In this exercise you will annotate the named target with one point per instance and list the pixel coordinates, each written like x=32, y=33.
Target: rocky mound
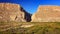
x=12, y=12
x=47, y=14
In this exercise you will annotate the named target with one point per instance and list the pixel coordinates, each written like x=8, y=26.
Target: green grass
x=38, y=28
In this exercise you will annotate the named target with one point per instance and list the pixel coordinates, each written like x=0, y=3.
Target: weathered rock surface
x=47, y=14
x=12, y=12
x=27, y=15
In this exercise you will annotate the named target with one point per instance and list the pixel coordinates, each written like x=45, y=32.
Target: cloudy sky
x=32, y=5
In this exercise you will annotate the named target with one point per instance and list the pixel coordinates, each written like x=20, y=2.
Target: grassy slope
x=38, y=28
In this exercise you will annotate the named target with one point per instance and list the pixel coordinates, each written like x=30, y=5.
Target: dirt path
x=27, y=25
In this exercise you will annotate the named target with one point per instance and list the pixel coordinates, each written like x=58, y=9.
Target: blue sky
x=31, y=6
